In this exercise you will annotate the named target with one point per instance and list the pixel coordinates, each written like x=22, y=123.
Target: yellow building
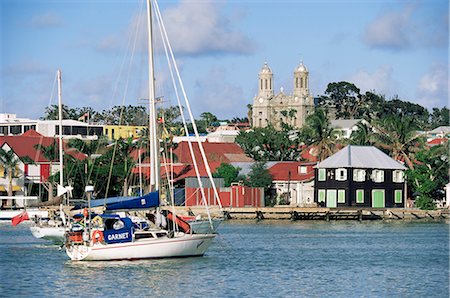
x=115, y=132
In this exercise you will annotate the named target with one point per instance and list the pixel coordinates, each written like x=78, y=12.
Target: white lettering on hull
x=118, y=236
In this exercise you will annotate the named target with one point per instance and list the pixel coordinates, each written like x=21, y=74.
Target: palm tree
x=319, y=133
x=363, y=136
x=399, y=136
x=9, y=162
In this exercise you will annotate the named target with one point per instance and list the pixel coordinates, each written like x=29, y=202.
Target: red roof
x=215, y=152
x=437, y=141
x=280, y=171
x=24, y=145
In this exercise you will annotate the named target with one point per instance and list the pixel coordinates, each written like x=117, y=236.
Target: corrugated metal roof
x=363, y=157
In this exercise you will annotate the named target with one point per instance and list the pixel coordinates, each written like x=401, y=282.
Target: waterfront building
x=360, y=176
x=10, y=125
x=293, y=182
x=274, y=109
x=33, y=169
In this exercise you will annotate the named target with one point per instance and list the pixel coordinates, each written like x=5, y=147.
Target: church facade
x=274, y=109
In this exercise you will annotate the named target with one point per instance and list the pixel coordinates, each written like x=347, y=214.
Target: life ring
x=85, y=212
x=97, y=236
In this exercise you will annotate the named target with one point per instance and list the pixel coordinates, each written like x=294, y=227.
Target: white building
x=346, y=126
x=294, y=183
x=11, y=125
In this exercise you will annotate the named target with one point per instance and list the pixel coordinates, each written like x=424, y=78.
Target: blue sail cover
x=120, y=203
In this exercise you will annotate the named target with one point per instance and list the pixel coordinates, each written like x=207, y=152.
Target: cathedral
x=274, y=109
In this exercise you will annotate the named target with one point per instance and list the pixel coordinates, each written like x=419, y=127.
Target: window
x=341, y=196
x=398, y=176
x=360, y=196
x=322, y=175
x=321, y=197
x=378, y=176
x=398, y=196
x=341, y=174
x=359, y=175
x=4, y=130
x=15, y=129
x=302, y=169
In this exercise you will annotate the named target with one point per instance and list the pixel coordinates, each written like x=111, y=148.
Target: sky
x=391, y=47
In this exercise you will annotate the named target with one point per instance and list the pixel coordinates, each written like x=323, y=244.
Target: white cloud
x=47, y=20
x=201, y=28
x=432, y=90
x=216, y=95
x=381, y=81
x=416, y=25
x=392, y=30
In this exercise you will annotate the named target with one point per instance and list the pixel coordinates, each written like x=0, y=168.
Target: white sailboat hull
x=185, y=245
x=204, y=227
x=55, y=234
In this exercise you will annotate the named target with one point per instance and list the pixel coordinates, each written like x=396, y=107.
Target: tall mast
x=61, y=176
x=154, y=143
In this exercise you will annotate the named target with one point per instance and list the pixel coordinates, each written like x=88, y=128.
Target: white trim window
x=359, y=175
x=398, y=176
x=322, y=175
x=341, y=174
x=302, y=169
x=378, y=176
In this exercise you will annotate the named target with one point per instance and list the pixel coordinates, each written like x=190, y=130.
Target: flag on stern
x=19, y=218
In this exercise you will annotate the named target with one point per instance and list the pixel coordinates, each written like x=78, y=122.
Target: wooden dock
x=327, y=214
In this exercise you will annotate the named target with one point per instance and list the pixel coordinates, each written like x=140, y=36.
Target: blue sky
x=393, y=47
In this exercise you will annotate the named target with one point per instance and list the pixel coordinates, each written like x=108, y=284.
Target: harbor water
x=248, y=259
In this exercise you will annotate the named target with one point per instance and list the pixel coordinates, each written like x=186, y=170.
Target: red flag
x=19, y=218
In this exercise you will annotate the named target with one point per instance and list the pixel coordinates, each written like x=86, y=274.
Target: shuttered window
x=322, y=175
x=360, y=196
x=398, y=196
x=341, y=196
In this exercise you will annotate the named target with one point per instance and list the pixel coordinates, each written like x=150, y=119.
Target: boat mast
x=61, y=176
x=154, y=143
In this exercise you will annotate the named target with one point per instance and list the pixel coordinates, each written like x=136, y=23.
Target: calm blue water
x=265, y=259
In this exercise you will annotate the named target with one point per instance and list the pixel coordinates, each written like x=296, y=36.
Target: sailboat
x=54, y=229
x=115, y=237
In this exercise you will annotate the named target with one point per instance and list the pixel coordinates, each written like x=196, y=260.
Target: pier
x=326, y=214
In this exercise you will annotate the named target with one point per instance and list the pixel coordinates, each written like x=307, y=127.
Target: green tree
x=363, y=135
x=229, y=173
x=208, y=118
x=318, y=133
x=399, y=137
x=429, y=176
x=52, y=113
x=401, y=109
x=267, y=143
x=439, y=117
x=260, y=176
x=123, y=115
x=345, y=99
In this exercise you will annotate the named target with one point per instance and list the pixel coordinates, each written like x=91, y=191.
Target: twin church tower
x=275, y=109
